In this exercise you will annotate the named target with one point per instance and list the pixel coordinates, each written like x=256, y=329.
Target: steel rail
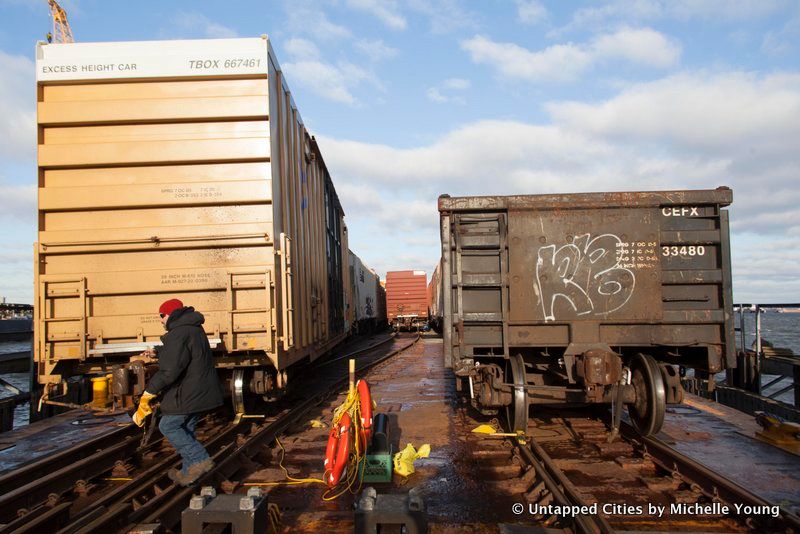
x=166, y=505
x=34, y=493
x=11, y=480
x=563, y=491
x=709, y=482
x=36, y=489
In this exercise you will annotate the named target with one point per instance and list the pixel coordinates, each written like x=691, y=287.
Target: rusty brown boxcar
x=181, y=169
x=586, y=298
x=406, y=299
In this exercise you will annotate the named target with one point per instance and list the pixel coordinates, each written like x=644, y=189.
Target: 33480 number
x=691, y=250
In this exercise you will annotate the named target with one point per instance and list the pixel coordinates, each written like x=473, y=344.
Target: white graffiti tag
x=586, y=274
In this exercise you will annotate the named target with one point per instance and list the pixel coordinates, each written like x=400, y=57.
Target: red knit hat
x=170, y=306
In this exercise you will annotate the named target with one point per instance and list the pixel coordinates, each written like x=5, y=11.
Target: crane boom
x=62, y=33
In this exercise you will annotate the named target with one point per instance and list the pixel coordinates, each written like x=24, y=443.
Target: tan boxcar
x=180, y=169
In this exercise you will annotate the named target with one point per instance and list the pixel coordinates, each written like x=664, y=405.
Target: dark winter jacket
x=186, y=377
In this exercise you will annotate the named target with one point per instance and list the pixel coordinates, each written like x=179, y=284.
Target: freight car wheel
x=517, y=411
x=647, y=412
x=237, y=391
x=243, y=400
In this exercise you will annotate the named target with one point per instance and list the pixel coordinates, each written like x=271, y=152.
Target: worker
x=188, y=385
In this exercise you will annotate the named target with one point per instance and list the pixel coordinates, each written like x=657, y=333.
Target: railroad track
x=117, y=484
x=643, y=483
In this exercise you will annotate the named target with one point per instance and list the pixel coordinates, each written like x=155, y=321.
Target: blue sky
x=411, y=99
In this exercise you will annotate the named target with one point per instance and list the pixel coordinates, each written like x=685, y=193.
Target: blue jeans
x=179, y=431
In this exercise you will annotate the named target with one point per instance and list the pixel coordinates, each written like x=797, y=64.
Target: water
x=7, y=347
x=18, y=380
x=781, y=330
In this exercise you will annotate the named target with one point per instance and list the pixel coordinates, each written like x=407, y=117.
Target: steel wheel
x=238, y=391
x=647, y=412
x=517, y=411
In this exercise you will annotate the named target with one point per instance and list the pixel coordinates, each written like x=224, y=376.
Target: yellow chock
x=489, y=430
x=404, y=460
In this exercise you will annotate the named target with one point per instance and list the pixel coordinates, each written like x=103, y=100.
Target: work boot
x=193, y=472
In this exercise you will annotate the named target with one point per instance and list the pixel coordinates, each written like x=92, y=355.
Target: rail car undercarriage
x=596, y=376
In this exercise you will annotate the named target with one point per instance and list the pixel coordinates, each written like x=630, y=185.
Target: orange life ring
x=365, y=398
x=338, y=450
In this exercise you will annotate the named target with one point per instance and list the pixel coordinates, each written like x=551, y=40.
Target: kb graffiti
x=586, y=274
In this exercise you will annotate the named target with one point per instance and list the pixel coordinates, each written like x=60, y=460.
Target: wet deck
x=54, y=434
x=724, y=440
x=418, y=394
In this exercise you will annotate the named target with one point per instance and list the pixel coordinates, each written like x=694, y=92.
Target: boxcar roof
x=722, y=196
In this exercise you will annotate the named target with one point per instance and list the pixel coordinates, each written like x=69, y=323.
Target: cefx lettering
x=691, y=211
x=204, y=64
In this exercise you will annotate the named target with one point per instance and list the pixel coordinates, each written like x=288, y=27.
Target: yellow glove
x=144, y=409
x=404, y=460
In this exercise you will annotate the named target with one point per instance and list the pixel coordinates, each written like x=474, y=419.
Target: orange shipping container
x=180, y=169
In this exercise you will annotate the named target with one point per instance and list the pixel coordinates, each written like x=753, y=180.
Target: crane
x=61, y=33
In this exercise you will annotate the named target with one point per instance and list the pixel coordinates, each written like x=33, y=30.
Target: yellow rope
x=355, y=463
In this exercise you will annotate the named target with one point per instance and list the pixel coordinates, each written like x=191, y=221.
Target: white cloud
x=697, y=110
x=444, y=16
x=555, y=63
x=18, y=203
x=332, y=81
x=783, y=41
x=447, y=91
x=531, y=11
x=301, y=49
x=192, y=24
x=640, y=46
x=18, y=216
x=434, y=95
x=323, y=79
x=456, y=84
x=689, y=131
x=384, y=10
x=633, y=11
x=375, y=49
x=17, y=108
x=563, y=62
x=307, y=18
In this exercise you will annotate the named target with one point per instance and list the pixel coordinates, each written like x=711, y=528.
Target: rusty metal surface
x=722, y=196
x=725, y=440
x=627, y=488
x=549, y=275
x=568, y=265
x=406, y=294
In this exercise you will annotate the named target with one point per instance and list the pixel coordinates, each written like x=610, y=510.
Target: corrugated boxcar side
x=406, y=294
x=380, y=299
x=206, y=189
x=435, y=293
x=649, y=270
x=364, y=282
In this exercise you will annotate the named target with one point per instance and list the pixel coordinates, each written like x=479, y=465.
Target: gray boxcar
x=586, y=298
